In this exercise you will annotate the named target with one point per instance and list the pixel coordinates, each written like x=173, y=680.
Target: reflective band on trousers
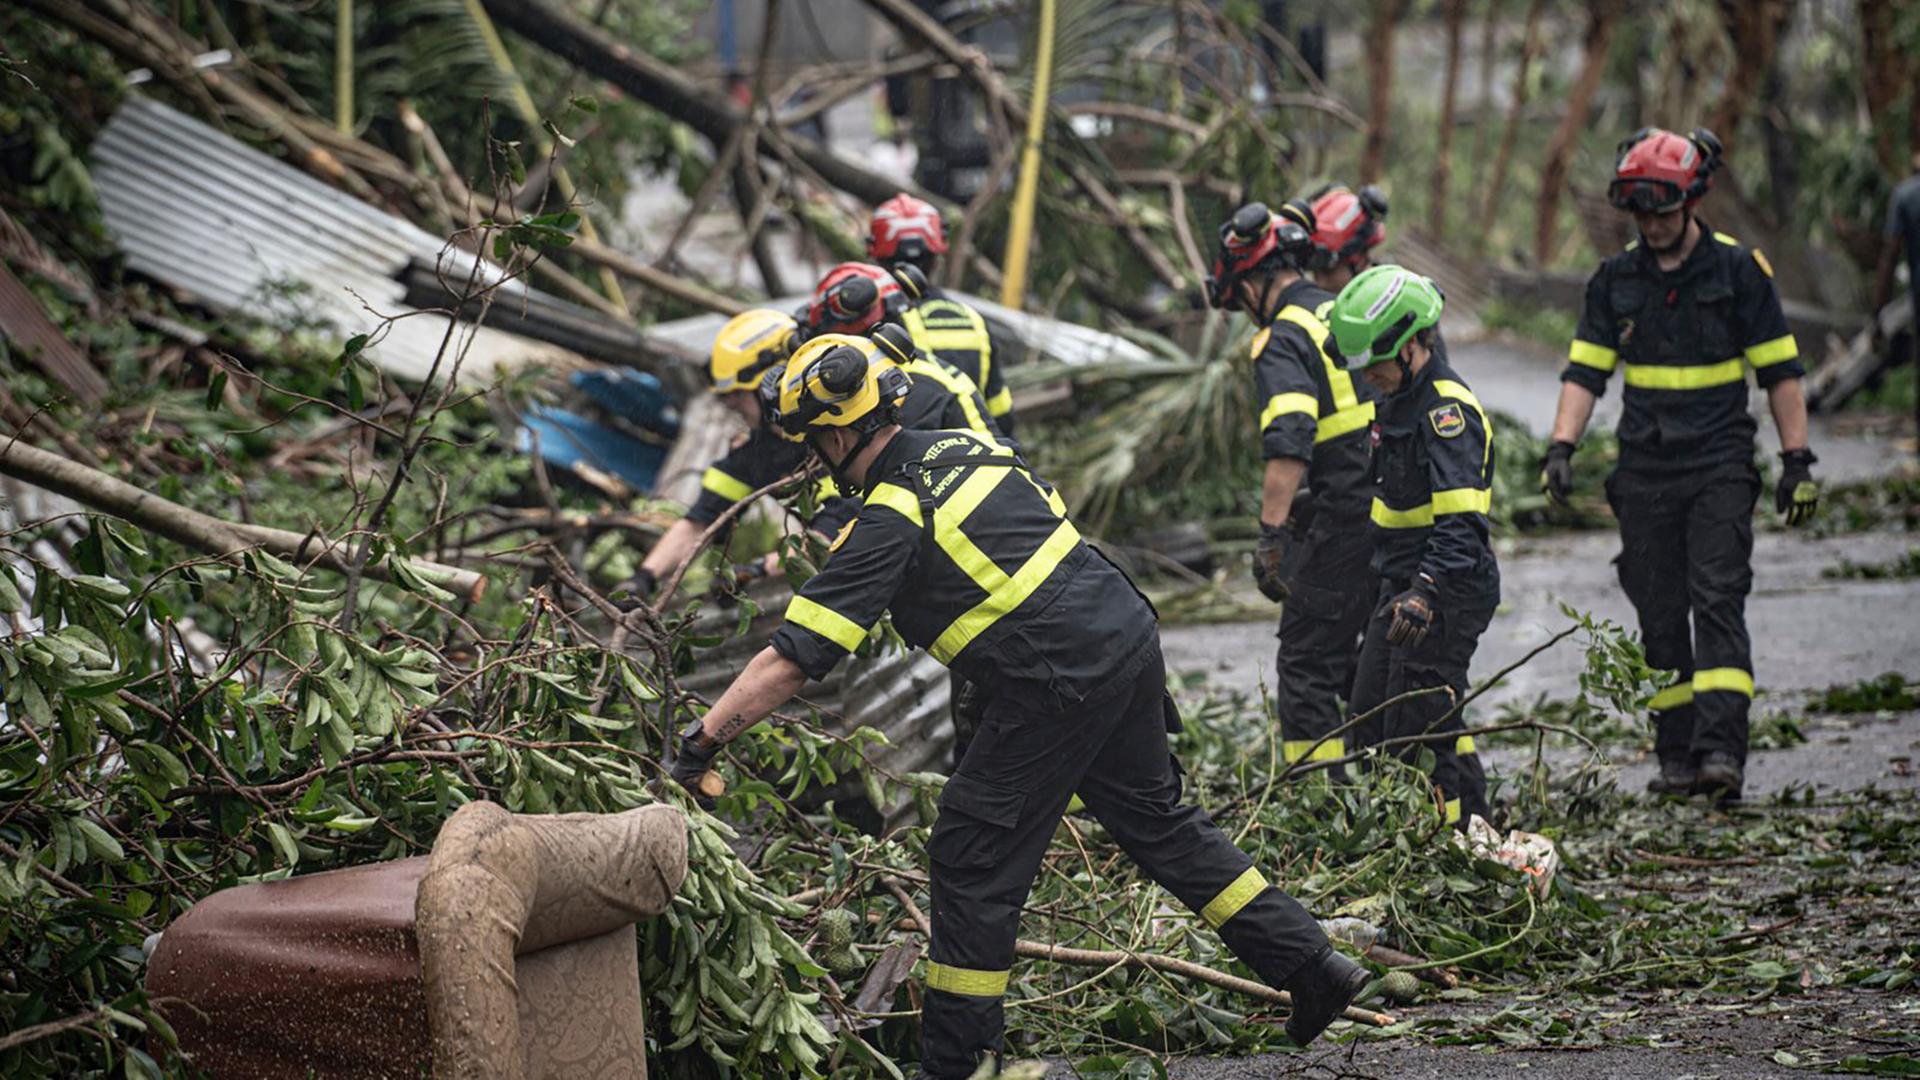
x=1730, y=679
x=966, y=981
x=1305, y=750
x=1672, y=697
x=1464, y=745
x=1234, y=897
x=1700, y=377
x=724, y=485
x=1453, y=811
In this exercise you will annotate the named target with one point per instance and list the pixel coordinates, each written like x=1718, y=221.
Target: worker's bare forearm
x=673, y=547
x=769, y=682
x=1277, y=490
x=1570, y=417
x=1788, y=400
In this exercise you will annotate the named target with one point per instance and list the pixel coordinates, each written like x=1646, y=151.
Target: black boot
x=1677, y=778
x=1321, y=989
x=1721, y=777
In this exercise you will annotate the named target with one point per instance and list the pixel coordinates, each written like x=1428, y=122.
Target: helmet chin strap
x=838, y=469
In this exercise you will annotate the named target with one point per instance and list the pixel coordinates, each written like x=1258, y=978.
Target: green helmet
x=1378, y=311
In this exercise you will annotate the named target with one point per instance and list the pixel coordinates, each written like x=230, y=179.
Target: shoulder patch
x=1447, y=420
x=841, y=538
x=1260, y=342
x=1765, y=266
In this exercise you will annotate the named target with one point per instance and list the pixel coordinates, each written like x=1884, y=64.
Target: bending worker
x=906, y=231
x=1433, y=489
x=1684, y=311
x=979, y=565
x=1314, y=554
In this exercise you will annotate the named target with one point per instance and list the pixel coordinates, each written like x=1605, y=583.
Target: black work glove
x=1556, y=473
x=1270, y=562
x=639, y=589
x=1413, y=613
x=1797, y=495
x=692, y=762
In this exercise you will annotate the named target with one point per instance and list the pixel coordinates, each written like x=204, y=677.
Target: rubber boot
x=1721, y=777
x=1322, y=989
x=1676, y=780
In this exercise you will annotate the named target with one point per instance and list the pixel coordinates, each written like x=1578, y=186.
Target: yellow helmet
x=838, y=380
x=751, y=344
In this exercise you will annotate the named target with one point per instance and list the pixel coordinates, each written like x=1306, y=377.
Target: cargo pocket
x=976, y=820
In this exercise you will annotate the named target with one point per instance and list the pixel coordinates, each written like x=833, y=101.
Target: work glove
x=639, y=589
x=1556, y=473
x=693, y=761
x=1270, y=562
x=1797, y=495
x=1413, y=613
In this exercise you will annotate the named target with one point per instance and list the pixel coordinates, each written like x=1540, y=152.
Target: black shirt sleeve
x=1595, y=349
x=834, y=611
x=1289, y=401
x=1765, y=339
x=1460, y=469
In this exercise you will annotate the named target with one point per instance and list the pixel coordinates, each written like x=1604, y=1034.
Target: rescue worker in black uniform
x=974, y=557
x=1314, y=550
x=1432, y=492
x=906, y=231
x=1684, y=312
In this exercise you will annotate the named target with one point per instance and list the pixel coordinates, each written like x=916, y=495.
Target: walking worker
x=1432, y=492
x=1684, y=312
x=974, y=557
x=1348, y=225
x=906, y=231
x=1314, y=420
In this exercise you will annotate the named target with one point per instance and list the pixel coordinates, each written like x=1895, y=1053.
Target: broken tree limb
x=202, y=532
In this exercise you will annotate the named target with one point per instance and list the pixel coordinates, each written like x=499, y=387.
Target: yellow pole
x=530, y=114
x=343, y=67
x=1013, y=290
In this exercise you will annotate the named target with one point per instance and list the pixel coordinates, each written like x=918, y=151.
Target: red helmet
x=854, y=298
x=1258, y=241
x=1347, y=225
x=1659, y=171
x=905, y=228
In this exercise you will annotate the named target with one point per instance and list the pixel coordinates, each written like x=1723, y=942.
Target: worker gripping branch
x=906, y=231
x=1347, y=226
x=1684, y=312
x=1314, y=422
x=975, y=558
x=1433, y=489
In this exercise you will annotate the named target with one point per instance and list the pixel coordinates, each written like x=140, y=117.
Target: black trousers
x=1332, y=594
x=1686, y=563
x=1000, y=810
x=1439, y=663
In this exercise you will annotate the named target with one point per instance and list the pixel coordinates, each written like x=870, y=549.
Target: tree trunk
x=1483, y=117
x=1443, y=160
x=1373, y=156
x=1886, y=72
x=1755, y=27
x=1601, y=17
x=1496, y=187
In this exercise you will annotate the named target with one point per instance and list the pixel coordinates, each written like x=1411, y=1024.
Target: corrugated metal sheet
x=237, y=230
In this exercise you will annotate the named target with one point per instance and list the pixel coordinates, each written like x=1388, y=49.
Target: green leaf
x=99, y=841
x=216, y=388
x=283, y=843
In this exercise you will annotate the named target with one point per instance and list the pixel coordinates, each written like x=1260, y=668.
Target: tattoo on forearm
x=734, y=725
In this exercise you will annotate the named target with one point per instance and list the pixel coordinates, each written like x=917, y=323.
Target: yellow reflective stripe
x=1260, y=341
x=1234, y=897
x=1414, y=517
x=1339, y=379
x=1777, y=351
x=1463, y=501
x=897, y=499
x=1699, y=377
x=724, y=485
x=1453, y=811
x=825, y=488
x=1459, y=392
x=1464, y=745
x=826, y=622
x=1007, y=595
x=1345, y=421
x=1731, y=679
x=966, y=982
x=1304, y=750
x=1001, y=403
x=1587, y=354
x=950, y=339
x=960, y=387
x=1725, y=239
x=1285, y=404
x=1672, y=698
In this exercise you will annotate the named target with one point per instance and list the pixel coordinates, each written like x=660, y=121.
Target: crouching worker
x=978, y=564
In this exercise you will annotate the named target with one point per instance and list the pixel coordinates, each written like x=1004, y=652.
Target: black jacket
x=1311, y=409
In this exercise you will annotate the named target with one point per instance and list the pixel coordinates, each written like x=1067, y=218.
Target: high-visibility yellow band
x=1597, y=357
x=1007, y=595
x=1699, y=377
x=1414, y=517
x=937, y=340
x=1234, y=897
x=1285, y=404
x=1672, y=697
x=1464, y=745
x=1453, y=811
x=1777, y=351
x=897, y=499
x=957, y=384
x=1304, y=750
x=1351, y=418
x=1260, y=341
x=1001, y=403
x=727, y=486
x=1731, y=679
x=1726, y=239
x=1459, y=392
x=1463, y=501
x=966, y=982
x=1339, y=379
x=826, y=622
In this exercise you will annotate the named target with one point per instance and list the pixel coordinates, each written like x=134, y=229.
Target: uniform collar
x=1702, y=253
x=890, y=460
x=1294, y=295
